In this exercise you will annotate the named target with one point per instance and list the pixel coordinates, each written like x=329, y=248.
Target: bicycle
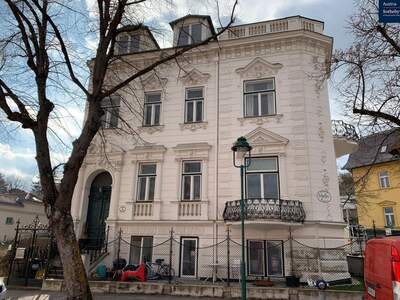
x=159, y=270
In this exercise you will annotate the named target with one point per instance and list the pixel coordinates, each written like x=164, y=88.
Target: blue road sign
x=389, y=11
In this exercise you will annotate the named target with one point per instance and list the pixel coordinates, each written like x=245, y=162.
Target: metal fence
x=337, y=262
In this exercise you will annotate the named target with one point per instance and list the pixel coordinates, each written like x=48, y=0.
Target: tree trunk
x=76, y=283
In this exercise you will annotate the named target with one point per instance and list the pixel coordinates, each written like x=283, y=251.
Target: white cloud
x=16, y=173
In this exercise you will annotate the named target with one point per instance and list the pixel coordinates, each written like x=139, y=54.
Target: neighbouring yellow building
x=376, y=172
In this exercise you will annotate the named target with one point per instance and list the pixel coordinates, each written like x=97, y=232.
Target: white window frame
x=129, y=43
x=259, y=93
x=194, y=101
x=141, y=247
x=192, y=175
x=264, y=263
x=261, y=173
x=106, y=124
x=189, y=34
x=389, y=215
x=384, y=181
x=152, y=105
x=147, y=176
x=196, y=256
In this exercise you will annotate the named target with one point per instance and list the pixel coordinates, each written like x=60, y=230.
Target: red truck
x=382, y=269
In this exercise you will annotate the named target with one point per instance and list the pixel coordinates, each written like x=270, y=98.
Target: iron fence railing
x=341, y=129
x=264, y=209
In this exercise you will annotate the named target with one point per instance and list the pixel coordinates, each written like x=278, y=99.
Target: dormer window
x=192, y=29
x=128, y=43
x=190, y=34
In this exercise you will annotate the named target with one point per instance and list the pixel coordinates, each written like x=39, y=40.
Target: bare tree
x=38, y=51
x=368, y=72
x=3, y=184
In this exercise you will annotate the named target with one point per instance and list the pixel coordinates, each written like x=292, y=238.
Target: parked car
x=382, y=269
x=3, y=290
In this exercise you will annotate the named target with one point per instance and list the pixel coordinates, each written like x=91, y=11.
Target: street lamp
x=240, y=148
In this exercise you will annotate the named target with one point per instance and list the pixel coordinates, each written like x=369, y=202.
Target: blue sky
x=17, y=151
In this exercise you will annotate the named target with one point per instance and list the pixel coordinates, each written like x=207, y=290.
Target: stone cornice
x=194, y=77
x=249, y=46
x=147, y=152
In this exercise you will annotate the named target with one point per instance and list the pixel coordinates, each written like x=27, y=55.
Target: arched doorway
x=98, y=209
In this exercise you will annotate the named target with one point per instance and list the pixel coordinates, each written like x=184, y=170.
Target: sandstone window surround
x=152, y=108
x=198, y=152
x=258, y=87
x=146, y=155
x=110, y=106
x=154, y=95
x=195, y=100
x=266, y=143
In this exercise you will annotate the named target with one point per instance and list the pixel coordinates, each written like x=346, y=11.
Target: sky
x=17, y=149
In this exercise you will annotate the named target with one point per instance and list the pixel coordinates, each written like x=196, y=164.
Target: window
x=110, y=106
x=194, y=105
x=259, y=98
x=265, y=258
x=389, y=216
x=384, y=179
x=189, y=34
x=152, y=109
x=262, y=178
x=191, y=181
x=146, y=182
x=141, y=249
x=128, y=43
x=9, y=221
x=188, y=265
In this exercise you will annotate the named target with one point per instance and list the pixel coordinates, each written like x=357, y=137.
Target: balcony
x=345, y=138
x=288, y=211
x=273, y=26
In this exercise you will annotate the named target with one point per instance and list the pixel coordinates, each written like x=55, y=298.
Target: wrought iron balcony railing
x=266, y=209
x=341, y=129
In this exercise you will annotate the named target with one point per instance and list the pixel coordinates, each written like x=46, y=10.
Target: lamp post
x=240, y=148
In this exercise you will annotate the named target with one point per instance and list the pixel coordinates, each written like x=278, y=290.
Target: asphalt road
x=39, y=295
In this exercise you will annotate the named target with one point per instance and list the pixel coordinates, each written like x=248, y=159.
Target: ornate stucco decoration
x=192, y=151
x=264, y=141
x=194, y=77
x=105, y=155
x=261, y=120
x=154, y=82
x=386, y=203
x=150, y=129
x=259, y=68
x=193, y=126
x=147, y=152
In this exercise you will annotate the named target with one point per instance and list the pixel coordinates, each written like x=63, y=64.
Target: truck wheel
x=321, y=284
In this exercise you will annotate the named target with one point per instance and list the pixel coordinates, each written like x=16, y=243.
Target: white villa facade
x=261, y=81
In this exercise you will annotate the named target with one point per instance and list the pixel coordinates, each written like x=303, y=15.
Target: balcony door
x=262, y=178
x=188, y=263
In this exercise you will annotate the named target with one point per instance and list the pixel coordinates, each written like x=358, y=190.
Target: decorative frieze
x=193, y=126
x=194, y=77
x=150, y=129
x=147, y=152
x=192, y=151
x=260, y=120
x=259, y=68
x=153, y=82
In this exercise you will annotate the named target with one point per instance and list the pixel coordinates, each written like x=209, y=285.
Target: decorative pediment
x=148, y=152
x=153, y=82
x=386, y=203
x=259, y=68
x=264, y=141
x=194, y=77
x=192, y=151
